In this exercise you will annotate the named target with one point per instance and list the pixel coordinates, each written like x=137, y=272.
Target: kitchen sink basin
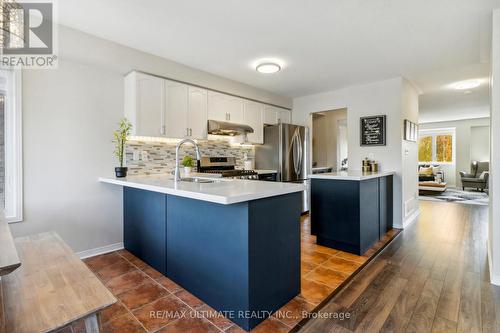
x=199, y=180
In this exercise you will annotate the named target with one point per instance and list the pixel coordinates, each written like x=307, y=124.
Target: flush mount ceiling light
x=268, y=68
x=466, y=85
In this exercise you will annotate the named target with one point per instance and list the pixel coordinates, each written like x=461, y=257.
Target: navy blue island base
x=242, y=259
x=351, y=215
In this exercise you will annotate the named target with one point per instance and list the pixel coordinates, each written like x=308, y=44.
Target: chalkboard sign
x=373, y=131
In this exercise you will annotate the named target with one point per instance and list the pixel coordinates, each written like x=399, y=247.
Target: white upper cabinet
x=284, y=116
x=216, y=107
x=235, y=109
x=225, y=107
x=176, y=110
x=144, y=104
x=158, y=107
x=270, y=115
x=197, y=113
x=253, y=117
x=274, y=115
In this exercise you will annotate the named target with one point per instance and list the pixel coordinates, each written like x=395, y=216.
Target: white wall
x=494, y=226
x=480, y=143
x=69, y=115
x=390, y=97
x=409, y=153
x=463, y=145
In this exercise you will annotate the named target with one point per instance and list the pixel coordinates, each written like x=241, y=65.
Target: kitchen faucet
x=198, y=157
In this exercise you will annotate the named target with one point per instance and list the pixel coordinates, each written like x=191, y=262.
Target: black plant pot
x=121, y=172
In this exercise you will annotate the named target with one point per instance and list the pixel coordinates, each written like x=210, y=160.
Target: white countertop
x=351, y=175
x=321, y=168
x=224, y=191
x=265, y=172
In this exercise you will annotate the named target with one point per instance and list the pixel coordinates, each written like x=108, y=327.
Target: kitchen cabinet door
x=225, y=107
x=217, y=109
x=144, y=104
x=197, y=113
x=284, y=116
x=235, y=109
x=270, y=115
x=253, y=117
x=176, y=109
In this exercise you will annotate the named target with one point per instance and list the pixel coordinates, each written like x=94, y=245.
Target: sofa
x=478, y=176
x=429, y=177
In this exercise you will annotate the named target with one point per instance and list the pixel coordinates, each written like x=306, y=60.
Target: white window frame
x=11, y=87
x=434, y=133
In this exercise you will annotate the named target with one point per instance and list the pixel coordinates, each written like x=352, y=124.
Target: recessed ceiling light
x=268, y=68
x=466, y=85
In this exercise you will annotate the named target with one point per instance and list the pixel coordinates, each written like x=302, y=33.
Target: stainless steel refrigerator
x=285, y=149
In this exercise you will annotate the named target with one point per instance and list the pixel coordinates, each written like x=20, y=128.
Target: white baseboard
x=411, y=218
x=100, y=250
x=494, y=279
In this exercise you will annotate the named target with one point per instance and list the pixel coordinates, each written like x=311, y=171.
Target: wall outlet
x=144, y=155
x=136, y=155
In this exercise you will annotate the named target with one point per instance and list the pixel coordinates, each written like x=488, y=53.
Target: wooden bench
x=51, y=289
x=9, y=261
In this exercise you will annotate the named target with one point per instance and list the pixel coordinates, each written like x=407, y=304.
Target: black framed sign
x=373, y=131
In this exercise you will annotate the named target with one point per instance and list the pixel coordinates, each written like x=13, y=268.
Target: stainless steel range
x=225, y=167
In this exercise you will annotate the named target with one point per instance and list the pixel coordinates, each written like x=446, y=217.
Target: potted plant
x=120, y=139
x=188, y=164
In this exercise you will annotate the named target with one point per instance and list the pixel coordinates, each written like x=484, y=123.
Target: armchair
x=478, y=176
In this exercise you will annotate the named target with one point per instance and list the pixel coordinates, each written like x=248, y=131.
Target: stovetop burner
x=226, y=167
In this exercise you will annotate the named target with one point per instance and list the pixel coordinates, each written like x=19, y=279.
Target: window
x=436, y=146
x=10, y=90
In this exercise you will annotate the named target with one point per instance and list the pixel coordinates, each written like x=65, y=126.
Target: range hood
x=216, y=127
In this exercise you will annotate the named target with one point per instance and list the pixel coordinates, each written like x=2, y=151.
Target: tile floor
x=141, y=290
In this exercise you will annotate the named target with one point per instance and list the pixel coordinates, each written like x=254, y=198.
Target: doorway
x=329, y=141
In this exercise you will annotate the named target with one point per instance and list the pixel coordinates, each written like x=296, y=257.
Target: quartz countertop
x=351, y=175
x=321, y=168
x=265, y=172
x=222, y=191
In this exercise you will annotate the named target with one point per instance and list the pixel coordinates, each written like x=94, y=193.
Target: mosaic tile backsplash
x=160, y=156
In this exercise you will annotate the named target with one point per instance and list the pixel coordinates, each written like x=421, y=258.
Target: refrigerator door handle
x=296, y=152
x=299, y=141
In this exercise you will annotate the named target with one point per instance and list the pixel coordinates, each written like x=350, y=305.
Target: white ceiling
x=324, y=44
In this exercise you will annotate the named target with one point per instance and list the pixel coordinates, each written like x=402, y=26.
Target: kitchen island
x=351, y=210
x=235, y=244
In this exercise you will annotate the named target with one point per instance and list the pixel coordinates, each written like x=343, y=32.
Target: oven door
x=269, y=177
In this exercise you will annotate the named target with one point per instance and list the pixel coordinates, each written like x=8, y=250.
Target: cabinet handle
x=162, y=130
x=187, y=131
x=229, y=116
x=190, y=132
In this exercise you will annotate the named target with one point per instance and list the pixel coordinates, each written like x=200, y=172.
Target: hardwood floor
x=432, y=278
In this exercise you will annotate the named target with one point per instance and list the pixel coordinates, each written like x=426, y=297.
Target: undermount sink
x=199, y=180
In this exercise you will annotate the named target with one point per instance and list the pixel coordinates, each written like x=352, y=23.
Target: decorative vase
x=121, y=172
x=187, y=170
